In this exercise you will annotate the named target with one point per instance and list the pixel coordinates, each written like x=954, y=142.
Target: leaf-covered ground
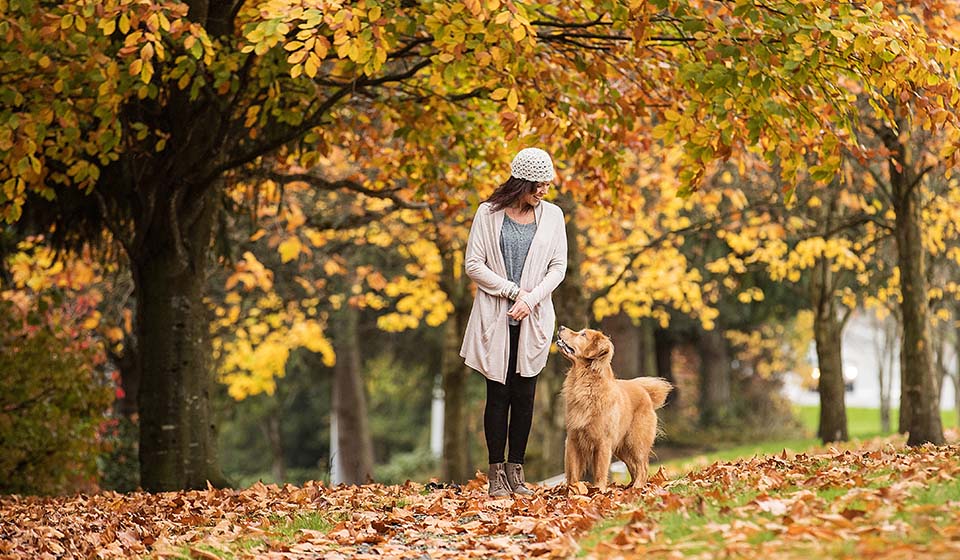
x=371, y=521
x=881, y=502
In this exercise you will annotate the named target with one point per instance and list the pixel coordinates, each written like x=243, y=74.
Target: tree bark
x=956, y=373
x=626, y=340
x=272, y=430
x=648, y=353
x=828, y=333
x=455, y=464
x=715, y=396
x=354, y=442
x=178, y=444
x=663, y=346
x=885, y=361
x=919, y=411
x=455, y=461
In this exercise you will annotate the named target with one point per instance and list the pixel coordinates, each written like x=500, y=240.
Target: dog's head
x=586, y=346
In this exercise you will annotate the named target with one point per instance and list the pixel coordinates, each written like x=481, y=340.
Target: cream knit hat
x=532, y=164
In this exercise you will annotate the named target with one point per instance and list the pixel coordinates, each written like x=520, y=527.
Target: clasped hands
x=520, y=310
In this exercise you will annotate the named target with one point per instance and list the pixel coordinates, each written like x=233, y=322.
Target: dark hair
x=510, y=192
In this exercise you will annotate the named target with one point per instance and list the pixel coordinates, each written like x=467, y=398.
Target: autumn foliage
x=56, y=393
x=787, y=506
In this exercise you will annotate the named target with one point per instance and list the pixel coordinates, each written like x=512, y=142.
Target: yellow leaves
x=251, y=273
x=774, y=348
x=499, y=93
x=254, y=336
x=741, y=243
x=418, y=299
x=311, y=66
x=512, y=99
x=849, y=298
x=333, y=268
x=752, y=294
x=376, y=281
x=114, y=334
x=92, y=321
x=251, y=362
x=289, y=249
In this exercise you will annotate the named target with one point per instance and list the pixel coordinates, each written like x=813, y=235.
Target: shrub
x=53, y=402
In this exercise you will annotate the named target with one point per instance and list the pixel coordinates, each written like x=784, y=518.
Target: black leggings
x=513, y=400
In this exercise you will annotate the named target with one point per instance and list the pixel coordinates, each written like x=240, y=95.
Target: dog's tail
x=657, y=387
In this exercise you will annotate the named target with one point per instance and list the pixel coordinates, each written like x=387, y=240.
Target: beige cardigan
x=486, y=342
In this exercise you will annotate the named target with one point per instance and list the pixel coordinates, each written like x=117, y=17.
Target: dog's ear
x=599, y=347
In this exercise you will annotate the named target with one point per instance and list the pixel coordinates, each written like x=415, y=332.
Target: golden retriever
x=606, y=416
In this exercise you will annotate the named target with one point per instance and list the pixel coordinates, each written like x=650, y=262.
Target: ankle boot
x=515, y=479
x=498, y=481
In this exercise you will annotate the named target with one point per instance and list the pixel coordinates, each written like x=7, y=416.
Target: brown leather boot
x=515, y=479
x=498, y=481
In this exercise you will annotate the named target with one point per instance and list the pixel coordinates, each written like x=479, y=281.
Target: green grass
x=863, y=423
x=283, y=530
x=288, y=528
x=684, y=528
x=598, y=533
x=939, y=494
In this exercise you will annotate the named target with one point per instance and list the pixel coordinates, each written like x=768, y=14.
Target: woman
x=517, y=256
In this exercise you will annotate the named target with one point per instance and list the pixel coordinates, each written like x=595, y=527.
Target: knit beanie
x=532, y=164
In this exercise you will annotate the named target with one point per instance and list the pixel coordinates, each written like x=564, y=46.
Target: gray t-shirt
x=515, y=241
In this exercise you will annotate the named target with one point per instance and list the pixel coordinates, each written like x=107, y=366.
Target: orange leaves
x=388, y=521
x=774, y=507
x=860, y=501
x=251, y=273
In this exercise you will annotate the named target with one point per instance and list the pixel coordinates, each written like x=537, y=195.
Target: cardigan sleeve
x=475, y=260
x=556, y=270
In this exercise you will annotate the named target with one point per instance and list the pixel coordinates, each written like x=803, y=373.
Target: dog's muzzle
x=564, y=347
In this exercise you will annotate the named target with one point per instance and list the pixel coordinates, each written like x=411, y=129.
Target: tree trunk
x=271, y=429
x=648, y=353
x=663, y=346
x=178, y=444
x=828, y=333
x=455, y=461
x=956, y=373
x=919, y=407
x=455, y=464
x=885, y=362
x=903, y=419
x=626, y=340
x=715, y=396
x=354, y=442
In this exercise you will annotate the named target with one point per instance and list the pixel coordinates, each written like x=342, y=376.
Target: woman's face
x=534, y=198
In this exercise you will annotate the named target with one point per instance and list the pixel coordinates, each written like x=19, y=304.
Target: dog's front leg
x=601, y=465
x=571, y=461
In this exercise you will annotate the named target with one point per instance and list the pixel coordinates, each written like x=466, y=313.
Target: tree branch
x=343, y=184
